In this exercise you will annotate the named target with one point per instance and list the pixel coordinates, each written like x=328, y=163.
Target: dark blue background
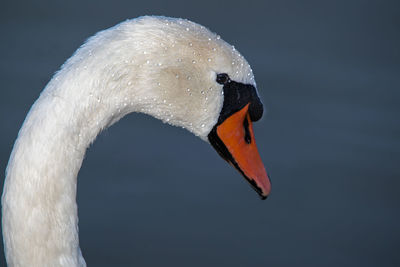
x=154, y=195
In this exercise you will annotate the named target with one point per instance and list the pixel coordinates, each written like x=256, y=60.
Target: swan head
x=184, y=74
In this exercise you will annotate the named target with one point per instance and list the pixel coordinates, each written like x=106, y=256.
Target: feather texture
x=160, y=66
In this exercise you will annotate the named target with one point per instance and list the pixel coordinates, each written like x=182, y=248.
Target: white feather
x=160, y=66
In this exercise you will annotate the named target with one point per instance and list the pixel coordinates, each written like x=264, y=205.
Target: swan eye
x=223, y=78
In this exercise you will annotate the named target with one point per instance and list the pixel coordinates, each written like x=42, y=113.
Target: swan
x=172, y=69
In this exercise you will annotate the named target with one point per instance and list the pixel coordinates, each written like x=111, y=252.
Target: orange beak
x=238, y=146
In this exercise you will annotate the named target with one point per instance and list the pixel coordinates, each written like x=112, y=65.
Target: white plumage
x=160, y=66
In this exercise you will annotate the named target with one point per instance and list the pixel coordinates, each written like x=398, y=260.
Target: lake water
x=154, y=195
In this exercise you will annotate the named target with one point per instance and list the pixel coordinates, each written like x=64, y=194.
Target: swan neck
x=40, y=216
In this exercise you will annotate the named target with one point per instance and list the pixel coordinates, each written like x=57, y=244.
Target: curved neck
x=40, y=218
x=39, y=201
x=162, y=67
x=39, y=210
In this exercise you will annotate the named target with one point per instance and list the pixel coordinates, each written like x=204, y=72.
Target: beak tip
x=265, y=194
x=265, y=187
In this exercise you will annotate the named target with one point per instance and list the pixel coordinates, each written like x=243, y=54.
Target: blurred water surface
x=155, y=195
